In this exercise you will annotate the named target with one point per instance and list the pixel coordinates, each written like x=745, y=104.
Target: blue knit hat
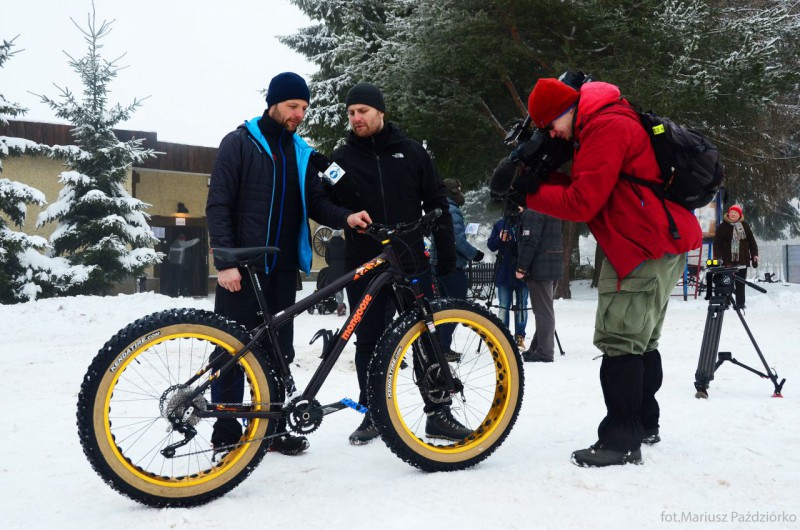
x=287, y=85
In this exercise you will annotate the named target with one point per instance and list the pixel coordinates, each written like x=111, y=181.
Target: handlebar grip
x=430, y=216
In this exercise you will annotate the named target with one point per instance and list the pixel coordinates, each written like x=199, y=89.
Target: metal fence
x=480, y=277
x=777, y=263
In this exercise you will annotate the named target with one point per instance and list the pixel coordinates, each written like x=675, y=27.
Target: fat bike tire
x=489, y=367
x=136, y=376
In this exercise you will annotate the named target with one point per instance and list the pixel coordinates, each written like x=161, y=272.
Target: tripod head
x=720, y=280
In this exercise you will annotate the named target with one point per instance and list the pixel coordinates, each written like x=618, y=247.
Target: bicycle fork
x=434, y=344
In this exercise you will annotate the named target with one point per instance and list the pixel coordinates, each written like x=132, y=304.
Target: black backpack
x=690, y=168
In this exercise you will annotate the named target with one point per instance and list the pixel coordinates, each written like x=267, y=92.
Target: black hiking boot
x=598, y=455
x=650, y=436
x=442, y=425
x=365, y=433
x=226, y=433
x=535, y=357
x=452, y=356
x=289, y=445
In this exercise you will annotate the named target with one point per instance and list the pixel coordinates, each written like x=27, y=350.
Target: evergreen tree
x=457, y=73
x=99, y=224
x=25, y=273
x=345, y=45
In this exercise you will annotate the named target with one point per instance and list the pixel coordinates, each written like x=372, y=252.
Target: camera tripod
x=720, y=283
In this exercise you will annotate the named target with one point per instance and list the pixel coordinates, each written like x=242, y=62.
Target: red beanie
x=736, y=208
x=549, y=99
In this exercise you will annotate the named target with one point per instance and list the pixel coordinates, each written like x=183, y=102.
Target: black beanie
x=287, y=85
x=365, y=94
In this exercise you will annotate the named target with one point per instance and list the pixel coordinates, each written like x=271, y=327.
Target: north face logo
x=398, y=155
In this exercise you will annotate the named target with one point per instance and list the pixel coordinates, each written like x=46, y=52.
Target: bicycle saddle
x=243, y=256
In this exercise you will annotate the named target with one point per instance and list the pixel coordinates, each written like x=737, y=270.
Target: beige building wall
x=41, y=173
x=163, y=190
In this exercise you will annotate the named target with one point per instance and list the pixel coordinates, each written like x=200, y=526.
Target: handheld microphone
x=331, y=172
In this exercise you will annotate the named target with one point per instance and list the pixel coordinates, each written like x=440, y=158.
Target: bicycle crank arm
x=343, y=404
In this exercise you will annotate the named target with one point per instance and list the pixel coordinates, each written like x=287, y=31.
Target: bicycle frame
x=386, y=270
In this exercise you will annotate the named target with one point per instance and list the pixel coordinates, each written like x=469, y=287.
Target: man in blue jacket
x=264, y=187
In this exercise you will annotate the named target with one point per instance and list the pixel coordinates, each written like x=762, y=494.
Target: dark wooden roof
x=175, y=157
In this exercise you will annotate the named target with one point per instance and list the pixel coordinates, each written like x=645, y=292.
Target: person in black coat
x=735, y=244
x=393, y=178
x=263, y=188
x=540, y=262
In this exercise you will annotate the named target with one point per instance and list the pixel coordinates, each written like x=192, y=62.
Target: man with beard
x=263, y=188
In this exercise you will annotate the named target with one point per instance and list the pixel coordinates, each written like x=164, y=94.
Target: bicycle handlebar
x=380, y=231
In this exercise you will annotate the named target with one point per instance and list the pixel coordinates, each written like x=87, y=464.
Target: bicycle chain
x=231, y=446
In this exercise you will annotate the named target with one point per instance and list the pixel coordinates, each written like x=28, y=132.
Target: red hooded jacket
x=627, y=219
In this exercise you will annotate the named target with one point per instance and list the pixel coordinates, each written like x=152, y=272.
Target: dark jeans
x=242, y=306
x=453, y=285
x=374, y=322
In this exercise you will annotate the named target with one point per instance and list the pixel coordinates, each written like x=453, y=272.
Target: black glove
x=478, y=256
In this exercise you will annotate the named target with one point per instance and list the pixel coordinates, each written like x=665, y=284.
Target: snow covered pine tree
x=99, y=224
x=25, y=273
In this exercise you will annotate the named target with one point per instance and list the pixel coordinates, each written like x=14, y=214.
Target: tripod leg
x=558, y=341
x=706, y=364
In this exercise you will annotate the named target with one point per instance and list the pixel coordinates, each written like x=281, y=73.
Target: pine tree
x=344, y=44
x=25, y=273
x=458, y=72
x=99, y=224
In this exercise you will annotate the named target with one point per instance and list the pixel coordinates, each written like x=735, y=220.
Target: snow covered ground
x=722, y=461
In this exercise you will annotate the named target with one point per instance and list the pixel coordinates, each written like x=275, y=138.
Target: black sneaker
x=441, y=424
x=365, y=433
x=535, y=357
x=227, y=432
x=289, y=445
x=651, y=436
x=598, y=455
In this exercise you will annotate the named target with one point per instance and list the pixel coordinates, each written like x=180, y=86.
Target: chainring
x=304, y=415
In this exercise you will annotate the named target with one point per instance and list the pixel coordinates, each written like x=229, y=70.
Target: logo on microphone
x=333, y=174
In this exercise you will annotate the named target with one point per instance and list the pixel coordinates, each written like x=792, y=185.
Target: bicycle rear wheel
x=488, y=368
x=138, y=378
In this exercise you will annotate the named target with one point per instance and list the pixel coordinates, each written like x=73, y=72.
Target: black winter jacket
x=243, y=206
x=392, y=177
x=539, y=246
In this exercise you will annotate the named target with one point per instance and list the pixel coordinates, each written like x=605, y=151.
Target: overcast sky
x=202, y=62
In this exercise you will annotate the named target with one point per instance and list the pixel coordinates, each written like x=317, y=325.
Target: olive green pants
x=629, y=320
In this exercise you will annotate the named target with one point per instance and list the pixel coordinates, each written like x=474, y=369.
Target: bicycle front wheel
x=484, y=360
x=139, y=377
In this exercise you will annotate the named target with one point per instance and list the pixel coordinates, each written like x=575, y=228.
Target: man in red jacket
x=643, y=259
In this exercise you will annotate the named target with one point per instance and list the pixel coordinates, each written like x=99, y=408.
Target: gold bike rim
x=506, y=386
x=227, y=462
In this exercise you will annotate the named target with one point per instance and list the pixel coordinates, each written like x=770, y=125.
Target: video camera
x=535, y=154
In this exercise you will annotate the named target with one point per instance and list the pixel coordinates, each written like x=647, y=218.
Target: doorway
x=184, y=269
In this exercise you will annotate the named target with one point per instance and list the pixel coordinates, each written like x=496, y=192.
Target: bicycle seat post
x=262, y=300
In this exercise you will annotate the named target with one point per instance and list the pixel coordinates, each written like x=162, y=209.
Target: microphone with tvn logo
x=331, y=172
